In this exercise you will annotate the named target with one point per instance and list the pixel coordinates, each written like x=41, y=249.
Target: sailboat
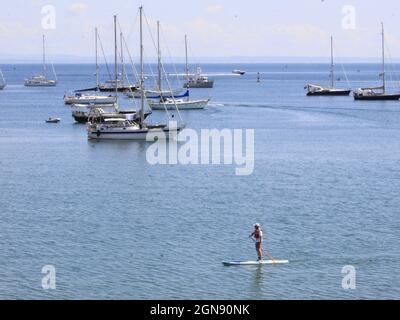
x=101, y=128
x=117, y=84
x=2, y=81
x=182, y=104
x=106, y=106
x=316, y=90
x=41, y=80
x=83, y=98
x=378, y=93
x=159, y=93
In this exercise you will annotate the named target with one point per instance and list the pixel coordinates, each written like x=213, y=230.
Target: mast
x=187, y=63
x=332, y=65
x=159, y=58
x=97, y=60
x=383, y=59
x=122, y=59
x=116, y=56
x=44, y=56
x=141, y=69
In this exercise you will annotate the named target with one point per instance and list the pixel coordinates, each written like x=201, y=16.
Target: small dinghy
x=53, y=120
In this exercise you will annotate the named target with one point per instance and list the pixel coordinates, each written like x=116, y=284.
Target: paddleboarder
x=258, y=237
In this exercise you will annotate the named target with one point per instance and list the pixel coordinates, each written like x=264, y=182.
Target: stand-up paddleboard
x=254, y=263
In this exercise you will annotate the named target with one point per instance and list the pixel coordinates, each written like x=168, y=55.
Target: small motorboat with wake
x=239, y=72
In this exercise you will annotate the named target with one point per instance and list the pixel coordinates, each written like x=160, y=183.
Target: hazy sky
x=216, y=28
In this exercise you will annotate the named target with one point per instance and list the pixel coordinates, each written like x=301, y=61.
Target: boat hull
x=53, y=121
x=381, y=97
x=40, y=85
x=107, y=100
x=191, y=105
x=83, y=117
x=200, y=85
x=156, y=95
x=329, y=93
x=135, y=135
x=120, y=89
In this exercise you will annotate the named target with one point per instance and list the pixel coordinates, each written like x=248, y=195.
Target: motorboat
x=239, y=72
x=53, y=120
x=198, y=81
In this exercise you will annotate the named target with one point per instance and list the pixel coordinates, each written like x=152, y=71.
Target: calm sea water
x=325, y=187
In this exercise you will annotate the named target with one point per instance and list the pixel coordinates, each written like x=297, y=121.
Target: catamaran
x=41, y=80
x=316, y=90
x=2, y=81
x=101, y=128
x=377, y=93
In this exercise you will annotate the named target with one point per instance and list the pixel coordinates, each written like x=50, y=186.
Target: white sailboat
x=171, y=104
x=317, y=90
x=41, y=80
x=378, y=93
x=182, y=104
x=84, y=98
x=117, y=84
x=159, y=92
x=2, y=81
x=101, y=128
x=79, y=97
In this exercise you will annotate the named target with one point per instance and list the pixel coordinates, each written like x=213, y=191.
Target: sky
x=217, y=29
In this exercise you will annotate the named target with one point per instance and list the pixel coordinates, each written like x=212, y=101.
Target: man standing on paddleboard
x=258, y=236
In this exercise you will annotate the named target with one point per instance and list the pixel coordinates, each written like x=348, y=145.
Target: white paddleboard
x=254, y=263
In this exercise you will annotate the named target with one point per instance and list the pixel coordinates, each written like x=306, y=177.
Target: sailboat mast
x=122, y=59
x=159, y=58
x=332, y=65
x=383, y=59
x=116, y=56
x=186, y=53
x=141, y=69
x=44, y=56
x=97, y=59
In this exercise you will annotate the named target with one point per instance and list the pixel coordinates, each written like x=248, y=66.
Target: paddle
x=267, y=253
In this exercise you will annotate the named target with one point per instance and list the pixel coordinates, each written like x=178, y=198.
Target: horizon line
x=70, y=59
